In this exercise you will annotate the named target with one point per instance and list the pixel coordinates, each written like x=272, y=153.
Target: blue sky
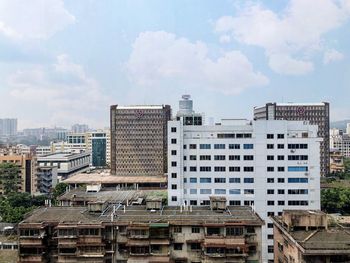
x=66, y=62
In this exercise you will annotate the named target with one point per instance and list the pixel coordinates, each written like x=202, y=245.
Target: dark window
x=174, y=186
x=280, y=157
x=281, y=202
x=173, y=175
x=280, y=169
x=234, y=157
x=173, y=141
x=196, y=230
x=280, y=146
x=280, y=191
x=270, y=146
x=234, y=146
x=270, y=157
x=248, y=169
x=280, y=136
x=280, y=180
x=234, y=169
x=177, y=246
x=248, y=157
x=193, y=157
x=173, y=129
x=270, y=180
x=193, y=169
x=174, y=198
x=173, y=164
x=193, y=146
x=269, y=136
x=235, y=202
x=173, y=152
x=270, y=169
x=269, y=203
x=270, y=191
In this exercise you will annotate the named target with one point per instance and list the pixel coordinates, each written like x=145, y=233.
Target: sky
x=66, y=62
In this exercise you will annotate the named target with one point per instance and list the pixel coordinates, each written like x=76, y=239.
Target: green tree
x=336, y=200
x=9, y=177
x=59, y=189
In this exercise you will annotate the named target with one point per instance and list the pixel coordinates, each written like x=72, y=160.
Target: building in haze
x=139, y=140
x=8, y=127
x=315, y=113
x=80, y=128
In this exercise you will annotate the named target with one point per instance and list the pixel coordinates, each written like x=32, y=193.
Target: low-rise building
x=67, y=164
x=305, y=236
x=136, y=234
x=46, y=178
x=336, y=162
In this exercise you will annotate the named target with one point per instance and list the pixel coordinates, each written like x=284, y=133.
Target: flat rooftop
x=61, y=155
x=97, y=178
x=139, y=214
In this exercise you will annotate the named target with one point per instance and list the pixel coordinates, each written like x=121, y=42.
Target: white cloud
x=64, y=90
x=158, y=56
x=331, y=56
x=284, y=64
x=35, y=19
x=225, y=39
x=298, y=30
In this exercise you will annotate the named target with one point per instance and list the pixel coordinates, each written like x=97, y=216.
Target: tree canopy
x=9, y=177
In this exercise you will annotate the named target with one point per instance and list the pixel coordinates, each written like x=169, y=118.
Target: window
x=270, y=203
x=205, y=191
x=234, y=231
x=193, y=157
x=248, y=180
x=193, y=191
x=174, y=186
x=219, y=146
x=205, y=157
x=280, y=191
x=297, y=146
x=270, y=213
x=204, y=146
x=280, y=169
x=248, y=157
x=220, y=191
x=248, y=202
x=195, y=246
x=234, y=146
x=280, y=180
x=234, y=169
x=234, y=157
x=298, y=203
x=173, y=164
x=270, y=191
x=219, y=168
x=270, y=180
x=193, y=202
x=270, y=169
x=280, y=157
x=219, y=157
x=270, y=157
x=235, y=180
x=193, y=168
x=173, y=141
x=298, y=180
x=220, y=180
x=205, y=169
x=193, y=146
x=173, y=152
x=269, y=236
x=298, y=157
x=235, y=202
x=177, y=246
x=280, y=136
x=248, y=169
x=280, y=146
x=177, y=229
x=196, y=229
x=185, y=147
x=235, y=191
x=225, y=135
x=248, y=146
x=185, y=168
x=193, y=180
x=269, y=136
x=297, y=169
x=269, y=225
x=174, y=198
x=269, y=146
x=205, y=180
x=281, y=202
x=205, y=202
x=249, y=191
x=173, y=175
x=185, y=157
x=173, y=129
x=298, y=191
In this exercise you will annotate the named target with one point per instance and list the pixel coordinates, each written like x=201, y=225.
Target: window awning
x=158, y=225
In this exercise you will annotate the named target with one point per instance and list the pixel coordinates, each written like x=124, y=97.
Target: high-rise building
x=8, y=127
x=315, y=113
x=340, y=142
x=80, y=128
x=98, y=143
x=269, y=164
x=139, y=140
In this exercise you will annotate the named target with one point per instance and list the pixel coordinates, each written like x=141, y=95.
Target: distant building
x=151, y=233
x=80, y=128
x=99, y=144
x=45, y=133
x=27, y=171
x=336, y=162
x=315, y=113
x=139, y=140
x=67, y=164
x=8, y=127
x=304, y=236
x=340, y=142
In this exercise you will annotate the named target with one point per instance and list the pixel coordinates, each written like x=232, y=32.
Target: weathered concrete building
x=305, y=236
x=127, y=234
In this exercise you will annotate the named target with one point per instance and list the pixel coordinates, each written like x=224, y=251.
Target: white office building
x=269, y=164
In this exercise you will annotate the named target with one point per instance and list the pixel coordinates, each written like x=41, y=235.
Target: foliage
x=59, y=189
x=9, y=177
x=336, y=200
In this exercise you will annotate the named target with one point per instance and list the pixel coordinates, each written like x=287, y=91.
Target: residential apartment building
x=67, y=164
x=8, y=127
x=305, y=236
x=340, y=141
x=151, y=233
x=27, y=171
x=80, y=128
x=268, y=164
x=315, y=113
x=46, y=178
x=336, y=161
x=139, y=140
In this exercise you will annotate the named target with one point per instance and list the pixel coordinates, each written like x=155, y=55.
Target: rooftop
x=140, y=107
x=139, y=214
x=97, y=178
x=61, y=155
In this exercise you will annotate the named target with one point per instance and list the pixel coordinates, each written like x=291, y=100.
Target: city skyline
x=214, y=51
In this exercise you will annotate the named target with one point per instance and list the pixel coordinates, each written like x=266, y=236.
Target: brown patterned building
x=139, y=140
x=315, y=113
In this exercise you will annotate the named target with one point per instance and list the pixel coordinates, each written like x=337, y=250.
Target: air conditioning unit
x=306, y=174
x=292, y=151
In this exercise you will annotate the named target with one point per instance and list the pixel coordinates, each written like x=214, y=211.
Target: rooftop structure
x=306, y=237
